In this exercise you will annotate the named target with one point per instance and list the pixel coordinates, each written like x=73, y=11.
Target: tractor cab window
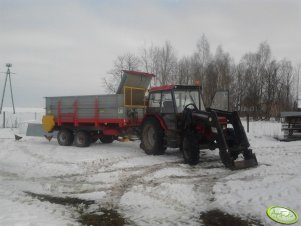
x=167, y=103
x=185, y=97
x=154, y=102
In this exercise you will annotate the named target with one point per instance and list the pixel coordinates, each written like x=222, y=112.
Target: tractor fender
x=156, y=116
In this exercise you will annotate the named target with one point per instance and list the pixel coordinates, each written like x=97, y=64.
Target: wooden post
x=3, y=119
x=248, y=119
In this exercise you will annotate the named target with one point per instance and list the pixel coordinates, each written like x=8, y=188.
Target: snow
x=146, y=190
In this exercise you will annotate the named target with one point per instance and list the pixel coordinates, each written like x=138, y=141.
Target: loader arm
x=229, y=153
x=240, y=145
x=233, y=118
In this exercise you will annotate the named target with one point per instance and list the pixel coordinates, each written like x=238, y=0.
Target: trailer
x=83, y=120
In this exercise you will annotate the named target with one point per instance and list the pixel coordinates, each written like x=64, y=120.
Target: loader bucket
x=245, y=163
x=238, y=164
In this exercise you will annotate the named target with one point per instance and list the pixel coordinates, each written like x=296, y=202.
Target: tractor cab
x=169, y=102
x=176, y=117
x=174, y=98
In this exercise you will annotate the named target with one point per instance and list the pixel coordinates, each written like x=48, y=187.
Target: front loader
x=176, y=117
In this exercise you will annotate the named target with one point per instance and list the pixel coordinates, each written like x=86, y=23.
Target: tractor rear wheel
x=152, y=137
x=106, y=139
x=190, y=148
x=82, y=139
x=65, y=137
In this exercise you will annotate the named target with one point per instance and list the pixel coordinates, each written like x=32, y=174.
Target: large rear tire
x=190, y=148
x=152, y=137
x=82, y=139
x=106, y=139
x=65, y=137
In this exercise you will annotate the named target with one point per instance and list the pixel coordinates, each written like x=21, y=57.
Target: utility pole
x=8, y=73
x=298, y=86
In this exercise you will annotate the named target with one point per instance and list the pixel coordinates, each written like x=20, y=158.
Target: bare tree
x=201, y=59
x=258, y=84
x=167, y=62
x=161, y=61
x=184, y=72
x=127, y=61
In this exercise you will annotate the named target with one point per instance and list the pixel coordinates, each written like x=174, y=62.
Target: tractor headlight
x=214, y=130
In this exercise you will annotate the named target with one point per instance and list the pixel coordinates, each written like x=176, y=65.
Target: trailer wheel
x=152, y=137
x=106, y=139
x=190, y=148
x=93, y=137
x=65, y=137
x=82, y=139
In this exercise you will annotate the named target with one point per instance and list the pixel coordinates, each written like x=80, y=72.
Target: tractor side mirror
x=220, y=101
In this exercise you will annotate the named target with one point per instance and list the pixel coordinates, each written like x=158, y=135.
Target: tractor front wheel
x=82, y=139
x=190, y=148
x=65, y=137
x=152, y=137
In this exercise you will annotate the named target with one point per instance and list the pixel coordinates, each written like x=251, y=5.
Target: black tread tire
x=231, y=141
x=152, y=137
x=93, y=137
x=82, y=139
x=106, y=139
x=190, y=148
x=230, y=135
x=65, y=137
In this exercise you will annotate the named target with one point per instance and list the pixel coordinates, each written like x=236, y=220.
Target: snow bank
x=147, y=190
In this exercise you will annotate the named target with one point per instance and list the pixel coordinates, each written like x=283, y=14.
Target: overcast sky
x=61, y=47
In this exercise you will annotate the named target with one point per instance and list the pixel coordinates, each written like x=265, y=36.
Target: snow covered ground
x=145, y=190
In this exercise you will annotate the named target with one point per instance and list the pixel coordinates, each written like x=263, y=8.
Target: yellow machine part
x=48, y=123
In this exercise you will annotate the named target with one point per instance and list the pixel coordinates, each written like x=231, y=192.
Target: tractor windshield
x=185, y=97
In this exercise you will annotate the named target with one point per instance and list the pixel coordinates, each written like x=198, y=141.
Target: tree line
x=258, y=85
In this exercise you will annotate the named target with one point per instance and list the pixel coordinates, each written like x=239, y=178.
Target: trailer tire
x=93, y=137
x=65, y=137
x=82, y=139
x=106, y=139
x=190, y=148
x=152, y=137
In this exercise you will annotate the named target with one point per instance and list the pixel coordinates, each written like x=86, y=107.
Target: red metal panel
x=120, y=122
x=158, y=117
x=222, y=120
x=75, y=111
x=165, y=87
x=96, y=112
x=139, y=73
x=110, y=132
x=59, y=112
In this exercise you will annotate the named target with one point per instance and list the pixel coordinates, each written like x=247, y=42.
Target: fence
x=10, y=120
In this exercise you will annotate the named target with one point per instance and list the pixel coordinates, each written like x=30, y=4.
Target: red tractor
x=176, y=117
x=173, y=116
